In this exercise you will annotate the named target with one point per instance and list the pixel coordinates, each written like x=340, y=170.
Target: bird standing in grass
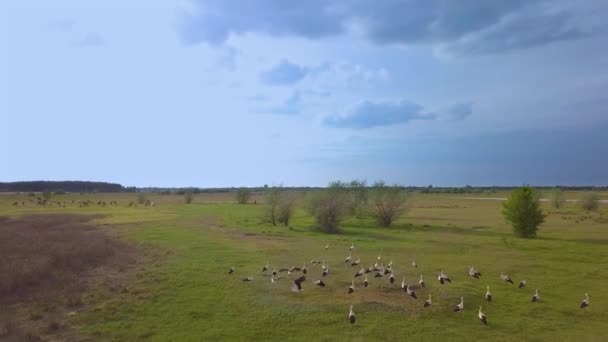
x=536, y=297
x=506, y=278
x=522, y=284
x=421, y=282
x=325, y=269
x=365, y=282
x=351, y=288
x=391, y=278
x=474, y=273
x=356, y=262
x=304, y=270
x=231, y=270
x=360, y=272
x=351, y=316
x=352, y=246
x=327, y=246
x=585, y=302
x=482, y=317
x=250, y=278
x=320, y=283
x=414, y=264
x=488, y=294
x=460, y=306
x=265, y=267
x=350, y=255
x=443, y=278
x=297, y=283
x=428, y=302
x=410, y=292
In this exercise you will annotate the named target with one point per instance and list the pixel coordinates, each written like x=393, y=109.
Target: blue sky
x=243, y=93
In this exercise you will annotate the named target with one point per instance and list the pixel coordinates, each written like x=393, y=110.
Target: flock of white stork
x=380, y=271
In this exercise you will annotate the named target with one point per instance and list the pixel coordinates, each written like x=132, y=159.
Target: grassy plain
x=187, y=295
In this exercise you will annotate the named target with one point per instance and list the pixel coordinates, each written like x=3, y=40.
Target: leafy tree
x=285, y=209
x=387, y=203
x=590, y=202
x=523, y=211
x=329, y=206
x=243, y=195
x=557, y=200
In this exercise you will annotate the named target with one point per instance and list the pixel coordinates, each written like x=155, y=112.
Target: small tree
x=285, y=209
x=272, y=199
x=590, y=202
x=557, y=200
x=523, y=211
x=188, y=196
x=387, y=203
x=243, y=195
x=359, y=197
x=141, y=198
x=329, y=206
x=46, y=195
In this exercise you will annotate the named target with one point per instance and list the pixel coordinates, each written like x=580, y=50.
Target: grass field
x=181, y=291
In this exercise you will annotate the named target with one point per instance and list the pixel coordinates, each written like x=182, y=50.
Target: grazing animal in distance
x=460, y=306
x=585, y=302
x=351, y=316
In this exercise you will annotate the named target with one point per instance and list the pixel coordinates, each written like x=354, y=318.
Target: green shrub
x=243, y=195
x=523, y=211
x=387, y=203
x=590, y=202
x=329, y=206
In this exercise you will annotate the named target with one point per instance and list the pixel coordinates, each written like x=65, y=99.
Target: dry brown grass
x=43, y=254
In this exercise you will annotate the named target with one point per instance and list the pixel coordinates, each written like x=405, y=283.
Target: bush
x=523, y=211
x=141, y=198
x=557, y=201
x=285, y=208
x=272, y=199
x=359, y=197
x=46, y=195
x=329, y=206
x=188, y=196
x=243, y=195
x=387, y=203
x=590, y=202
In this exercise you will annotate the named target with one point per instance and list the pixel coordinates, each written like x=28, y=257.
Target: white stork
x=365, y=282
x=482, y=317
x=536, y=297
x=522, y=284
x=459, y=306
x=351, y=316
x=585, y=302
x=421, y=282
x=351, y=288
x=488, y=294
x=428, y=302
x=506, y=278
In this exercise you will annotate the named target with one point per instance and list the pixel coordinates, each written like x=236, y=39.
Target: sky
x=215, y=93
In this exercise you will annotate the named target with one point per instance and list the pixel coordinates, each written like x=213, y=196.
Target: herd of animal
x=88, y=203
x=379, y=271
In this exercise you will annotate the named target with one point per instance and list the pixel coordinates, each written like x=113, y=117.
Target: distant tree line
x=61, y=186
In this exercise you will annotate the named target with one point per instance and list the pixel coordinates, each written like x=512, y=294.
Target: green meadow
x=180, y=289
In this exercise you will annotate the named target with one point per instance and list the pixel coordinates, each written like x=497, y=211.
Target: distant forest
x=83, y=186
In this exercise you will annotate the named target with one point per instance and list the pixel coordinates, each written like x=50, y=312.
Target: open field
x=180, y=289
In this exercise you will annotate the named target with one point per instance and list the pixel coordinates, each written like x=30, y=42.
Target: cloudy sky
x=232, y=93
